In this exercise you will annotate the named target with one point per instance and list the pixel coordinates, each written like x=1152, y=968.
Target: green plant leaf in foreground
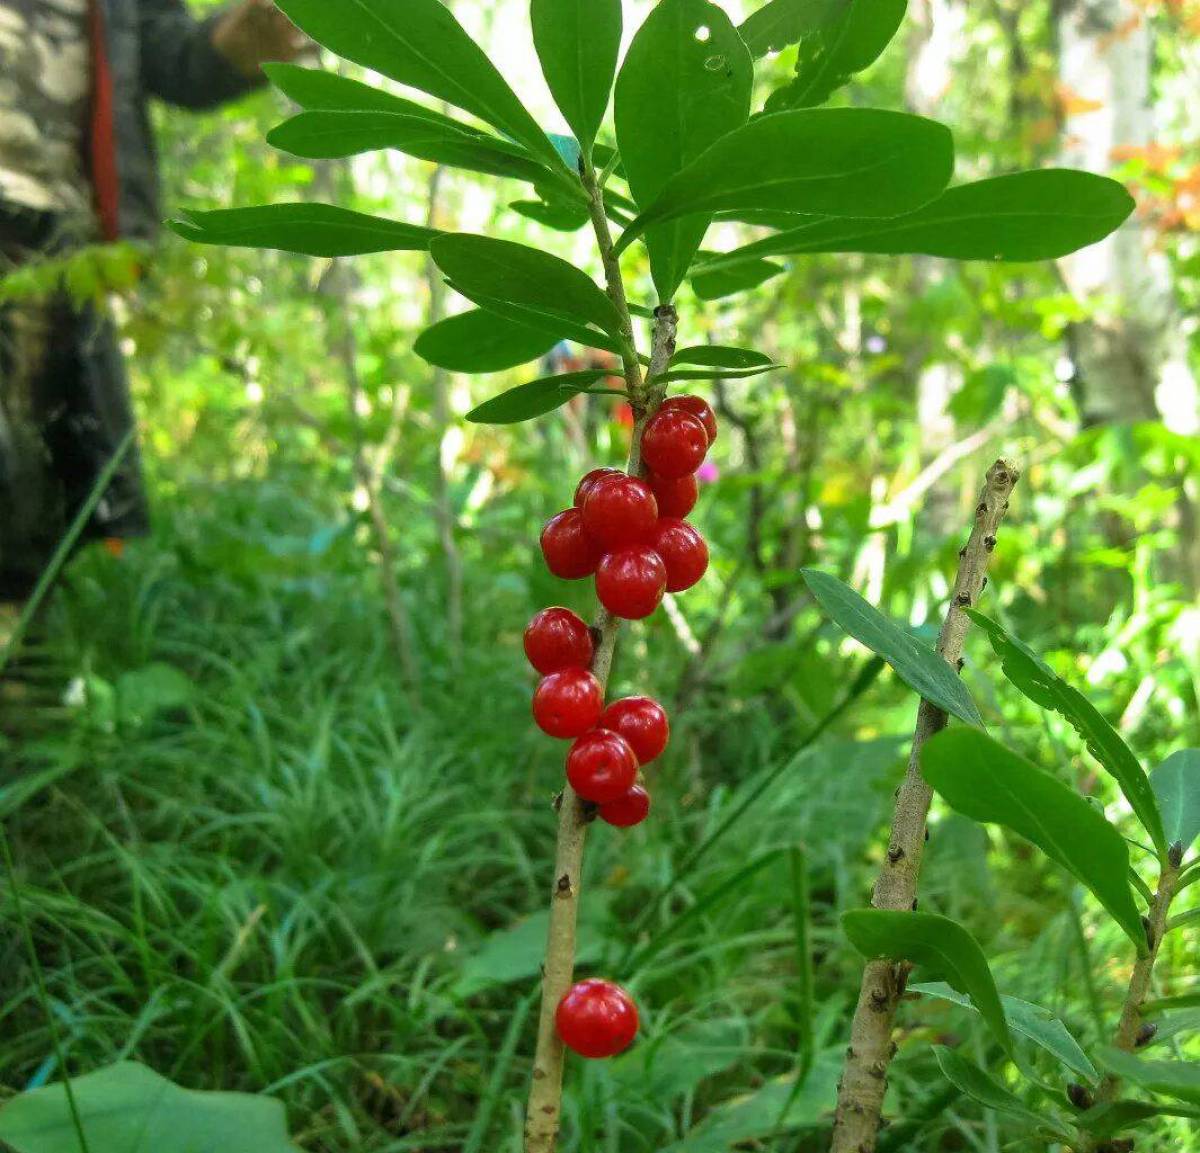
x=1112, y=1117
x=1178, y=1079
x=721, y=356
x=987, y=782
x=535, y=398
x=982, y=1087
x=917, y=665
x=1176, y=785
x=316, y=89
x=718, y=282
x=481, y=341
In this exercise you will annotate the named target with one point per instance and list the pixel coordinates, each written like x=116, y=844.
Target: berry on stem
x=628, y=810
x=596, y=1018
x=601, y=766
x=570, y=553
x=630, y=582
x=558, y=639
x=642, y=722
x=591, y=479
x=619, y=512
x=674, y=443
x=677, y=497
x=683, y=552
x=568, y=703
x=699, y=408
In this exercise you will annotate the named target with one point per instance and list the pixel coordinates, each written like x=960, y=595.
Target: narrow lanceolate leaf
x=916, y=664
x=844, y=38
x=562, y=216
x=1033, y=677
x=981, y=779
x=481, y=341
x=982, y=1087
x=685, y=82
x=577, y=42
x=716, y=283
x=524, y=276
x=309, y=229
x=316, y=90
x=421, y=44
x=535, y=398
x=1178, y=1079
x=832, y=162
x=717, y=373
x=1176, y=785
x=1112, y=1117
x=942, y=947
x=721, y=356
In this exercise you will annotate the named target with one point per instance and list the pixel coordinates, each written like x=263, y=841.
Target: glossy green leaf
x=778, y=24
x=562, y=216
x=685, y=82
x=481, y=341
x=317, y=90
x=421, y=44
x=835, y=162
x=721, y=356
x=309, y=229
x=677, y=374
x=1044, y=687
x=983, y=780
x=1176, y=785
x=525, y=276
x=718, y=282
x=916, y=664
x=577, y=43
x=941, y=946
x=127, y=1108
x=1110, y=1118
x=1178, y=1079
x=982, y=1087
x=535, y=398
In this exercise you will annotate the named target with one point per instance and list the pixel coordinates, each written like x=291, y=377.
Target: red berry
x=642, y=722
x=570, y=553
x=619, y=511
x=558, y=639
x=602, y=766
x=698, y=407
x=674, y=443
x=683, y=552
x=568, y=703
x=675, y=497
x=631, y=809
x=596, y=1018
x=591, y=479
x=630, y=583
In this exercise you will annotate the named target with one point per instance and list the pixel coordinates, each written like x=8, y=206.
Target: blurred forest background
x=282, y=818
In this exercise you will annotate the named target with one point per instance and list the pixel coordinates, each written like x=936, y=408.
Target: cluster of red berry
x=631, y=534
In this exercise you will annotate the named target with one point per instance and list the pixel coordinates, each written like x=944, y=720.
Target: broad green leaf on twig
x=1112, y=1117
x=941, y=946
x=834, y=162
x=314, y=89
x=577, y=42
x=981, y=779
x=309, y=229
x=685, y=82
x=535, y=398
x=917, y=665
x=982, y=1087
x=127, y=1108
x=676, y=374
x=721, y=356
x=1176, y=785
x=1178, y=1079
x=719, y=282
x=1033, y=677
x=481, y=341
x=561, y=215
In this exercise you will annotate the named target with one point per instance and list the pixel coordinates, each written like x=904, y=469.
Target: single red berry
x=683, y=552
x=596, y=1018
x=642, y=722
x=591, y=479
x=602, y=766
x=698, y=407
x=628, y=810
x=630, y=582
x=674, y=443
x=558, y=639
x=568, y=703
x=570, y=553
x=677, y=497
x=619, y=512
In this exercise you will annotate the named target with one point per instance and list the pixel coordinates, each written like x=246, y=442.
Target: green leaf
x=156, y=688
x=940, y=945
x=1031, y=1021
x=917, y=665
x=1110, y=1118
x=1176, y=785
x=308, y=229
x=536, y=398
x=578, y=42
x=677, y=374
x=1178, y=1079
x=836, y=162
x=562, y=216
x=422, y=45
x=780, y=23
x=722, y=356
x=481, y=341
x=842, y=37
x=685, y=82
x=525, y=276
x=1036, y=680
x=981, y=779
x=716, y=283
x=127, y=1108
x=316, y=89
x=982, y=1087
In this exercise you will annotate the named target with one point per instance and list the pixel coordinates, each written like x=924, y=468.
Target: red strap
x=102, y=136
